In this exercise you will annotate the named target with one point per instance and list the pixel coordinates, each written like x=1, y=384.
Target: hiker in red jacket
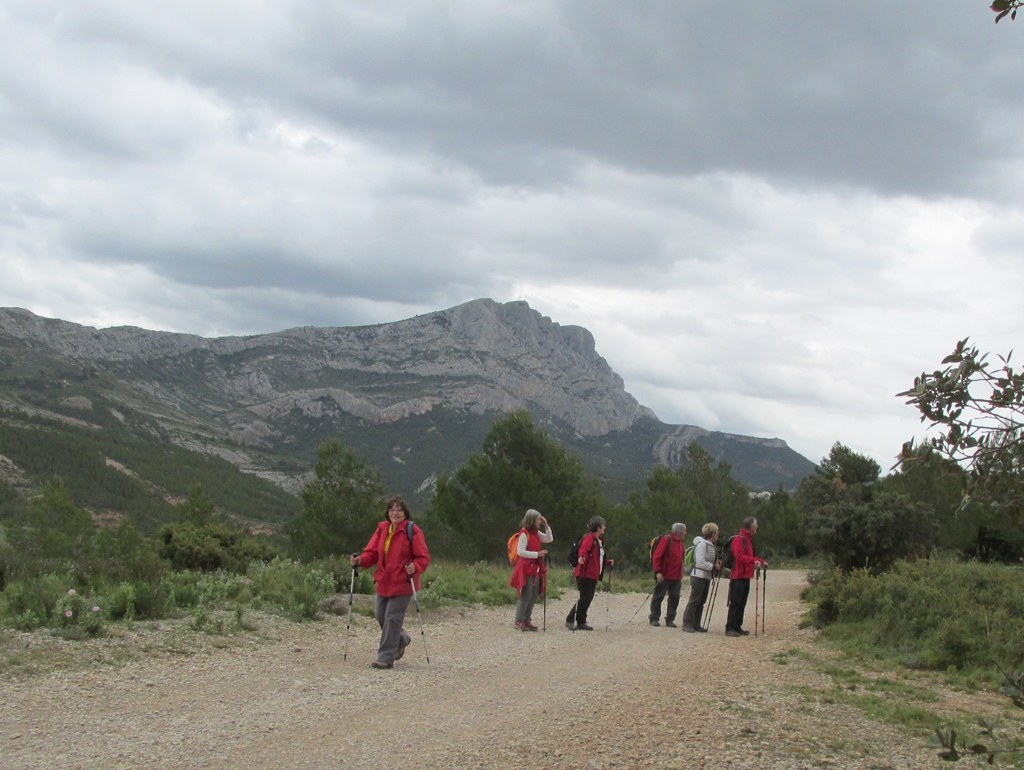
x=590, y=568
x=530, y=572
x=667, y=563
x=399, y=551
x=744, y=563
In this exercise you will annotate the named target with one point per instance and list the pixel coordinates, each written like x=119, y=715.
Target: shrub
x=210, y=546
x=32, y=603
x=137, y=600
x=293, y=587
x=938, y=614
x=77, y=618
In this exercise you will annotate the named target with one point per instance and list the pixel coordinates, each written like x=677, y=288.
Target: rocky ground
x=626, y=695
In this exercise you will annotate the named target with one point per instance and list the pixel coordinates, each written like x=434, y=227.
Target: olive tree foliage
x=979, y=411
x=476, y=508
x=340, y=505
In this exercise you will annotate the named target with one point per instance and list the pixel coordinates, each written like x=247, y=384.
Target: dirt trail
x=631, y=696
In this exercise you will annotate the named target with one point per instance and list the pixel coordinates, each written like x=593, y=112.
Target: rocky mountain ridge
x=414, y=396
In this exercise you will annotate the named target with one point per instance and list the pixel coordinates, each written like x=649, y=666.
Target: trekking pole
x=642, y=605
x=764, y=595
x=711, y=605
x=608, y=602
x=419, y=616
x=348, y=629
x=757, y=595
x=544, y=577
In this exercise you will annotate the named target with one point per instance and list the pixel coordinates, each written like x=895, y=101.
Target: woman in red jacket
x=530, y=573
x=589, y=569
x=399, y=551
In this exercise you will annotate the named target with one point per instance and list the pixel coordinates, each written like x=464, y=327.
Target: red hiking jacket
x=525, y=567
x=590, y=550
x=743, y=555
x=390, y=576
x=668, y=557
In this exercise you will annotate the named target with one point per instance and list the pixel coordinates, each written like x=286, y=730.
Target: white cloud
x=771, y=223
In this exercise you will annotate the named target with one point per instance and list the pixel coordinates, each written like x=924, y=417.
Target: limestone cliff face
x=481, y=356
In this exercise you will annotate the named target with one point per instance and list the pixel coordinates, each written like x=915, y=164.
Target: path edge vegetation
x=923, y=575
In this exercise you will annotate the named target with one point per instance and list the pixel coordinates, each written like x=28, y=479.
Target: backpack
x=728, y=559
x=574, y=551
x=513, y=547
x=688, y=560
x=654, y=544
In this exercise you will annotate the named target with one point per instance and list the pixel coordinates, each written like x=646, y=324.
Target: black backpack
x=728, y=559
x=574, y=551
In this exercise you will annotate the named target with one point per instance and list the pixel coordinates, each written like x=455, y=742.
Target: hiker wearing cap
x=399, y=551
x=744, y=563
x=590, y=567
x=529, y=574
x=705, y=567
x=667, y=563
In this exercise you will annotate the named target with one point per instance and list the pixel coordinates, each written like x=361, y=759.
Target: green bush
x=77, y=618
x=931, y=613
x=210, y=546
x=32, y=603
x=137, y=600
x=293, y=587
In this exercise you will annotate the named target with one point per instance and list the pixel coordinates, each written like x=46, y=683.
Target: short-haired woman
x=705, y=565
x=589, y=569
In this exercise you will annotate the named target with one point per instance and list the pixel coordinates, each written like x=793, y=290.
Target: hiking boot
x=689, y=629
x=655, y=622
x=530, y=627
x=584, y=627
x=730, y=632
x=520, y=625
x=744, y=633
x=401, y=650
x=382, y=664
x=701, y=630
x=669, y=624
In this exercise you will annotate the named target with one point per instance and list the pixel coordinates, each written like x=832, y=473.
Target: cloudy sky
x=772, y=215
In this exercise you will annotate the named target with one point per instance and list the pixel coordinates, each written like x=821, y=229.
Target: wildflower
x=95, y=609
x=68, y=613
x=71, y=592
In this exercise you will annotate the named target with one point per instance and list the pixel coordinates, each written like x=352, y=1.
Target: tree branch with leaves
x=1002, y=8
x=980, y=410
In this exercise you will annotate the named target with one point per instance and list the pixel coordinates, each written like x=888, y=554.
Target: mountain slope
x=415, y=397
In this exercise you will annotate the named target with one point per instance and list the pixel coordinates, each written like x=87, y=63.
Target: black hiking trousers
x=578, y=613
x=739, y=592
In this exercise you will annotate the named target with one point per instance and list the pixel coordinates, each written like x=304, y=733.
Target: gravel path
x=631, y=696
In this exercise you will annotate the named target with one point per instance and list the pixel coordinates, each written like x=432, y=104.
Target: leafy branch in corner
x=1003, y=7
x=1014, y=688
x=981, y=411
